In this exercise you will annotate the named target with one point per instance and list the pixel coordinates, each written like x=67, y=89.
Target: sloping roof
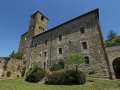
x=49, y=30
x=40, y=14
x=24, y=34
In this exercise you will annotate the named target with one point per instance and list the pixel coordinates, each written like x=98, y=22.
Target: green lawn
x=20, y=84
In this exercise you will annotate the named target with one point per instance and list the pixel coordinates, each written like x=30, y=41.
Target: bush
x=55, y=78
x=23, y=71
x=69, y=77
x=73, y=77
x=56, y=67
x=15, y=55
x=35, y=75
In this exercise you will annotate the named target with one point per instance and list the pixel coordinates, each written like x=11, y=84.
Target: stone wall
x=10, y=69
x=113, y=53
x=72, y=39
x=2, y=63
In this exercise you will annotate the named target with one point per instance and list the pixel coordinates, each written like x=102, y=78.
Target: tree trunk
x=76, y=68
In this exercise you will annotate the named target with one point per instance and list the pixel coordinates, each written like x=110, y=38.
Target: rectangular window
x=41, y=28
x=84, y=45
x=60, y=37
x=86, y=60
x=82, y=30
x=60, y=50
x=35, y=44
x=42, y=17
x=46, y=42
x=45, y=54
x=40, y=54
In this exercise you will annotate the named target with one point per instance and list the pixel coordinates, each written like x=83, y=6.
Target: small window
x=39, y=27
x=45, y=54
x=40, y=54
x=35, y=44
x=60, y=37
x=60, y=50
x=86, y=60
x=82, y=30
x=46, y=42
x=84, y=45
x=42, y=17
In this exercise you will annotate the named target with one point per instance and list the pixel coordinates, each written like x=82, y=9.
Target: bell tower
x=38, y=24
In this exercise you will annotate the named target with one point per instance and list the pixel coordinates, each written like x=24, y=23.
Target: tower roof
x=39, y=13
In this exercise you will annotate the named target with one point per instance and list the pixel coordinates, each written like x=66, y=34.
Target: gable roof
x=40, y=14
x=93, y=11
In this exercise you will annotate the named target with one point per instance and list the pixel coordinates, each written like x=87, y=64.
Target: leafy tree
x=15, y=55
x=75, y=59
x=12, y=54
x=111, y=35
x=116, y=41
x=112, y=40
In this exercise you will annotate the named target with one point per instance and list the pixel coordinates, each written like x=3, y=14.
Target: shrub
x=35, y=75
x=23, y=71
x=56, y=67
x=73, y=77
x=69, y=77
x=15, y=55
x=55, y=78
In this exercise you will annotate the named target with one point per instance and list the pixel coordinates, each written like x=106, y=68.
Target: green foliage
x=55, y=78
x=113, y=42
x=73, y=77
x=107, y=43
x=58, y=66
x=15, y=55
x=12, y=54
x=75, y=58
x=116, y=41
x=113, y=39
x=23, y=71
x=69, y=77
x=35, y=74
x=111, y=35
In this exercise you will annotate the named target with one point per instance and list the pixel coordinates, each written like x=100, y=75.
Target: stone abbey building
x=80, y=35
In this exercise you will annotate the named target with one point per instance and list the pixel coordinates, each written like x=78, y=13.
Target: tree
x=111, y=35
x=15, y=55
x=12, y=54
x=112, y=39
x=75, y=59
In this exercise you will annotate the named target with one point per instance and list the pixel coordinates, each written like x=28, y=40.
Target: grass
x=20, y=84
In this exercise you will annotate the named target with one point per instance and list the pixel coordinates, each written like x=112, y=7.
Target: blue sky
x=15, y=16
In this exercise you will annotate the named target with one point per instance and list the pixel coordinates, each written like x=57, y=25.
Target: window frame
x=42, y=17
x=87, y=60
x=85, y=45
x=46, y=42
x=82, y=30
x=60, y=37
x=60, y=51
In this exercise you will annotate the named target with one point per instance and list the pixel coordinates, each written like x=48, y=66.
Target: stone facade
x=80, y=35
x=10, y=69
x=2, y=63
x=38, y=24
x=113, y=55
